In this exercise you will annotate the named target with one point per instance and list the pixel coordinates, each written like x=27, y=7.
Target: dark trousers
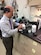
x=8, y=43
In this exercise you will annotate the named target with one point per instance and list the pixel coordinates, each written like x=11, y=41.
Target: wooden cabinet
x=34, y=2
x=27, y=46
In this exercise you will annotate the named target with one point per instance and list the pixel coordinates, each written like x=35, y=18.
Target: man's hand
x=20, y=26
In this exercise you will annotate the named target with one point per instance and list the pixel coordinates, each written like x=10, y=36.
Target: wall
x=24, y=9
x=8, y=2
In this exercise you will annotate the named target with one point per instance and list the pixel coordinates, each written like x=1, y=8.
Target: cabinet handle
x=34, y=43
x=33, y=51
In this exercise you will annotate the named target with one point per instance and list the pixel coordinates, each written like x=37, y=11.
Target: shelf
x=35, y=3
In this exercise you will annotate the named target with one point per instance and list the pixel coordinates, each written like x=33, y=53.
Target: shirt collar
x=6, y=17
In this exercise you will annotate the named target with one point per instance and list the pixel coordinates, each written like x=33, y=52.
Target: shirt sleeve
x=5, y=28
x=15, y=23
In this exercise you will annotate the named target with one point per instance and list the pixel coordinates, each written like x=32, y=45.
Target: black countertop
x=36, y=38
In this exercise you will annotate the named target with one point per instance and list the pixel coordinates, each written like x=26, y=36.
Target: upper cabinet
x=34, y=2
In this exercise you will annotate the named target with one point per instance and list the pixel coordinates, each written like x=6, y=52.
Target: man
x=6, y=26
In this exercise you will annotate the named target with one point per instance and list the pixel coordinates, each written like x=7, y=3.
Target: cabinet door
x=34, y=2
x=31, y=47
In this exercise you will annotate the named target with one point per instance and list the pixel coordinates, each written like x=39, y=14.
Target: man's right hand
x=20, y=26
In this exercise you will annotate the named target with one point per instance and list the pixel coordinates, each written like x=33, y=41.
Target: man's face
x=10, y=14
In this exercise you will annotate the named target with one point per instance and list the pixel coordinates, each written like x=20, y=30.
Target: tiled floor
x=2, y=50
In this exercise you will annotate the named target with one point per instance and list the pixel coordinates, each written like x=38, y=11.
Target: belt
x=7, y=37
